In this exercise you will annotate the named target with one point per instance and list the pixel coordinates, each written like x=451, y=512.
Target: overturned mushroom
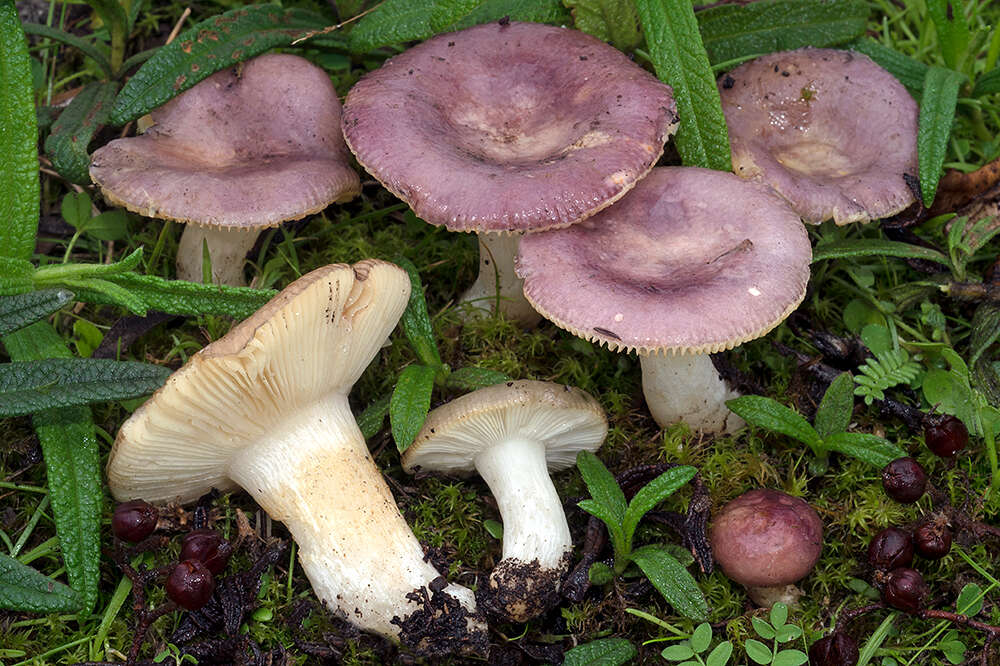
x=513, y=434
x=508, y=128
x=265, y=408
x=831, y=131
x=247, y=148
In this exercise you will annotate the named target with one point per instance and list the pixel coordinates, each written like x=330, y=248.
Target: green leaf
x=602, y=652
x=371, y=419
x=115, y=294
x=32, y=386
x=720, y=655
x=471, y=378
x=409, y=404
x=909, y=72
x=679, y=59
x=701, y=637
x=790, y=658
x=111, y=225
x=779, y=615
x=871, y=449
x=26, y=590
x=69, y=138
x=16, y=276
x=72, y=461
x=75, y=208
x=788, y=632
x=970, y=600
x=679, y=652
x=392, y=22
x=614, y=21
x=952, y=29
x=736, y=32
x=950, y=393
x=652, y=494
x=602, y=486
x=66, y=38
x=495, y=530
x=763, y=629
x=834, y=412
x=212, y=45
x=937, y=114
x=673, y=581
x=19, y=186
x=600, y=573
x=987, y=84
x=757, y=651
x=954, y=651
x=772, y=415
x=450, y=15
x=416, y=323
x=872, y=247
x=22, y=309
x=985, y=330
x=607, y=515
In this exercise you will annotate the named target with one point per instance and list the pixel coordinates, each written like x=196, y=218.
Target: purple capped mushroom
x=247, y=148
x=507, y=128
x=690, y=262
x=831, y=131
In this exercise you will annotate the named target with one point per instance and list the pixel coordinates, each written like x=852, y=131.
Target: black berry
x=944, y=434
x=208, y=547
x=837, y=649
x=905, y=590
x=134, y=521
x=904, y=480
x=932, y=539
x=190, y=585
x=891, y=548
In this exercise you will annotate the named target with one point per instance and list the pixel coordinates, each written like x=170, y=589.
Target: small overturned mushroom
x=831, y=131
x=507, y=128
x=265, y=408
x=247, y=148
x=767, y=541
x=513, y=435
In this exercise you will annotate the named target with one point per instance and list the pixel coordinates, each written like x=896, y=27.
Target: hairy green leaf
x=409, y=404
x=471, y=378
x=652, y=494
x=26, y=590
x=602, y=652
x=952, y=28
x=392, y=22
x=834, y=412
x=371, y=419
x=67, y=142
x=987, y=84
x=614, y=21
x=19, y=185
x=873, y=247
x=679, y=59
x=22, y=309
x=208, y=47
x=937, y=114
x=736, y=32
x=871, y=449
x=772, y=415
x=909, y=72
x=72, y=462
x=66, y=38
x=449, y=15
x=602, y=485
x=32, y=386
x=416, y=323
x=672, y=580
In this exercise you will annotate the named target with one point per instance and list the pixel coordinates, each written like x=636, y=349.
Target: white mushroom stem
x=498, y=285
x=315, y=475
x=227, y=247
x=534, y=524
x=687, y=387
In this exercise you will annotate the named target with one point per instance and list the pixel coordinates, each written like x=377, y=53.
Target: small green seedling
x=663, y=569
x=778, y=631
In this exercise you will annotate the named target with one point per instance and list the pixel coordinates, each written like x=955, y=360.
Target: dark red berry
x=905, y=590
x=904, y=480
x=891, y=548
x=932, y=539
x=837, y=649
x=134, y=521
x=944, y=434
x=208, y=547
x=190, y=585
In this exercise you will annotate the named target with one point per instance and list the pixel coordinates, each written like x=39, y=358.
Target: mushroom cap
x=564, y=418
x=314, y=338
x=830, y=130
x=766, y=538
x=691, y=261
x=250, y=146
x=509, y=127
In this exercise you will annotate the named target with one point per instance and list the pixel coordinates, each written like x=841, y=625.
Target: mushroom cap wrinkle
x=509, y=127
x=265, y=408
x=830, y=130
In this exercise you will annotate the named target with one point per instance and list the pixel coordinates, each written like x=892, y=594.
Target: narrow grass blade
x=66, y=38
x=937, y=114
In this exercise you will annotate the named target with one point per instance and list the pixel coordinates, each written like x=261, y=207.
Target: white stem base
x=497, y=285
x=227, y=248
x=686, y=387
x=357, y=550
